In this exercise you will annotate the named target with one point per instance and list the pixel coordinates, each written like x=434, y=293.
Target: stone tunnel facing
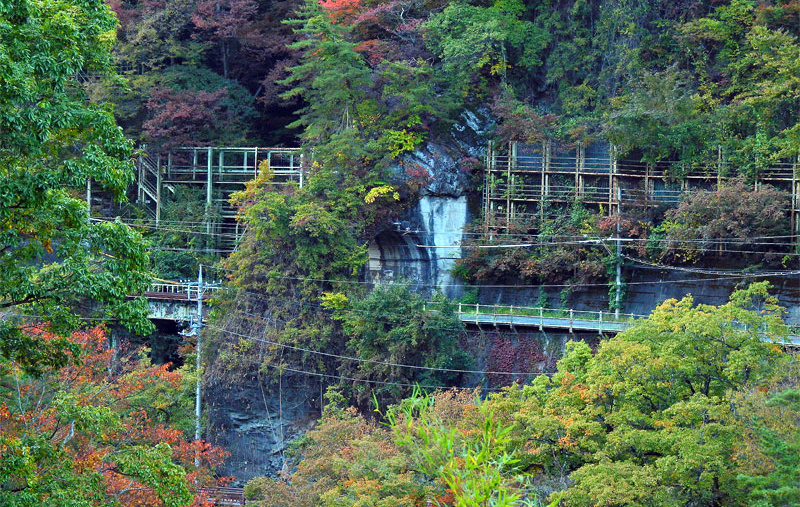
x=395, y=257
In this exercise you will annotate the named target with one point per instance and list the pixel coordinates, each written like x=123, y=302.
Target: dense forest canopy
x=364, y=83
x=662, y=80
x=695, y=406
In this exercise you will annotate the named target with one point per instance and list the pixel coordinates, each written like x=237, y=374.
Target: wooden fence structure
x=520, y=179
x=220, y=171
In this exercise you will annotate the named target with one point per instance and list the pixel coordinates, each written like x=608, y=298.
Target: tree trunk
x=224, y=50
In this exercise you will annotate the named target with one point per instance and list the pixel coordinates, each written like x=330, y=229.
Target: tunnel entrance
x=395, y=257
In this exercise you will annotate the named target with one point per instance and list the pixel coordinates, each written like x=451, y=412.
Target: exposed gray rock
x=447, y=160
x=446, y=178
x=472, y=133
x=246, y=421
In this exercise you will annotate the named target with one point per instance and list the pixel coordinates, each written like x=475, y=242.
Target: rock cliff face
x=422, y=247
x=442, y=212
x=254, y=421
x=447, y=160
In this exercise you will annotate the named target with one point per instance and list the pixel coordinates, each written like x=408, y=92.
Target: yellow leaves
x=380, y=191
x=403, y=140
x=108, y=38
x=334, y=300
x=254, y=186
x=499, y=68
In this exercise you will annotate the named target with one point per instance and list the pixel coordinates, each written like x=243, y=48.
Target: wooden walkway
x=218, y=171
x=519, y=178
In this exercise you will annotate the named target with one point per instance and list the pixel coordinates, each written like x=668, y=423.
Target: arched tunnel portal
x=395, y=256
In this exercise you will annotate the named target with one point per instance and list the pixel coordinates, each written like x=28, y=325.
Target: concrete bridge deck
x=548, y=318
x=178, y=301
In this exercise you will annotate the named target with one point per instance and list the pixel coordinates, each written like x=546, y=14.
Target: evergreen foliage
x=692, y=406
x=405, y=334
x=52, y=258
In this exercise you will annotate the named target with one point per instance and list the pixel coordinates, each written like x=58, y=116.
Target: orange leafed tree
x=341, y=11
x=108, y=429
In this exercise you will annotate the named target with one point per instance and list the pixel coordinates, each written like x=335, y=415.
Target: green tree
x=475, y=42
x=391, y=325
x=661, y=115
x=770, y=412
x=52, y=258
x=102, y=432
x=478, y=470
x=357, y=116
x=333, y=79
x=156, y=36
x=647, y=420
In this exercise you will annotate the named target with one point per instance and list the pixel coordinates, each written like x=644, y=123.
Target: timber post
x=209, y=185
x=158, y=190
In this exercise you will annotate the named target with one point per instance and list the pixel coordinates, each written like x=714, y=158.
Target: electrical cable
x=727, y=276
x=368, y=381
x=182, y=231
x=704, y=271
x=359, y=360
x=577, y=241
x=467, y=232
x=581, y=315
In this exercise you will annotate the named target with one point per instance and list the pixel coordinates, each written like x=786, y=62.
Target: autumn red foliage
x=107, y=423
x=523, y=354
x=183, y=117
x=341, y=11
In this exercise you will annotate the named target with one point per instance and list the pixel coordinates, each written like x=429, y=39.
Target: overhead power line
x=541, y=239
x=707, y=271
x=368, y=361
x=369, y=381
x=467, y=232
x=726, y=276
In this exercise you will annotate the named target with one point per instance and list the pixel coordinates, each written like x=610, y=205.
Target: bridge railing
x=542, y=312
x=541, y=316
x=189, y=289
x=601, y=321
